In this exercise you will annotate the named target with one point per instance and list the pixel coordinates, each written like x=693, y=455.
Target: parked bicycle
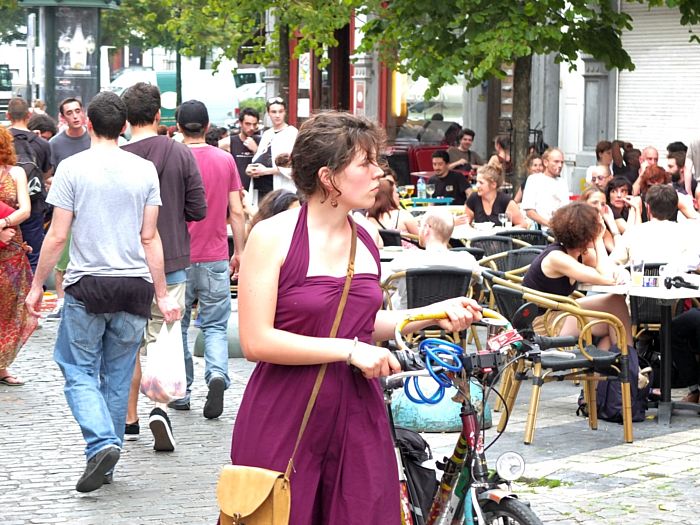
x=468, y=493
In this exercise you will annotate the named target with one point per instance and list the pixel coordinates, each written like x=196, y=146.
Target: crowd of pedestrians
x=144, y=229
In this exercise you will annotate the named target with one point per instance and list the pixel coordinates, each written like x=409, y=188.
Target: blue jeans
x=209, y=283
x=96, y=353
x=33, y=235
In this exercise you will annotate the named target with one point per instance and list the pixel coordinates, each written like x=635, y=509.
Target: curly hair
x=651, y=176
x=384, y=202
x=7, y=150
x=575, y=225
x=331, y=139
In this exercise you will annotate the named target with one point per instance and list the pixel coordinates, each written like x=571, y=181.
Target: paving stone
x=590, y=477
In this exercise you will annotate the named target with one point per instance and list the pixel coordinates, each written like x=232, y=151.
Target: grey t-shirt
x=107, y=191
x=63, y=146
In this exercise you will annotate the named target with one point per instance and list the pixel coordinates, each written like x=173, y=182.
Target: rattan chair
x=589, y=365
x=531, y=237
x=478, y=253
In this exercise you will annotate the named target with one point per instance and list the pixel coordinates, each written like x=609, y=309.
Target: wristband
x=354, y=345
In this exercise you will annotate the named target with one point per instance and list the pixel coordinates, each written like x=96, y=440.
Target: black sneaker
x=159, y=423
x=214, y=405
x=131, y=431
x=97, y=467
x=179, y=405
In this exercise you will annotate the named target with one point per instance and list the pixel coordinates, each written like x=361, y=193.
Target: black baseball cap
x=193, y=116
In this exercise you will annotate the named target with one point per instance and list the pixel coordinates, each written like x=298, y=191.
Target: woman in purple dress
x=291, y=280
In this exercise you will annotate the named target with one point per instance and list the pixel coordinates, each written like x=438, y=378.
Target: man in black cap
x=208, y=277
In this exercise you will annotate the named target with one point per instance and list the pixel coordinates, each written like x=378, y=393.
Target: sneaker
x=131, y=431
x=179, y=405
x=214, y=405
x=97, y=467
x=55, y=316
x=159, y=423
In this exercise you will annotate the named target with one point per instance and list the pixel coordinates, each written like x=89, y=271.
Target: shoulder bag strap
x=334, y=331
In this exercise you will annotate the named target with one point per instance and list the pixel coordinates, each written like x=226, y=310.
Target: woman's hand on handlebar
x=461, y=313
x=374, y=361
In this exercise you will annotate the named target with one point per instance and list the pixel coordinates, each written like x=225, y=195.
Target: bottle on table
x=421, y=188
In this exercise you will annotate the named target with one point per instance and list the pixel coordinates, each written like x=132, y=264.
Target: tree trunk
x=284, y=61
x=178, y=74
x=522, y=73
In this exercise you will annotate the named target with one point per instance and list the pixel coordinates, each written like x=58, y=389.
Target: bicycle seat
x=601, y=360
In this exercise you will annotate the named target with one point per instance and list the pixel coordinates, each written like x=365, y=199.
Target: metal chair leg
x=511, y=396
x=534, y=403
x=589, y=389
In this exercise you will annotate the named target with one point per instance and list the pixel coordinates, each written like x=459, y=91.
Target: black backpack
x=26, y=159
x=422, y=482
x=609, y=393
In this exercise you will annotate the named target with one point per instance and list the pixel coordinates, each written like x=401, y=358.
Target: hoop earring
x=334, y=202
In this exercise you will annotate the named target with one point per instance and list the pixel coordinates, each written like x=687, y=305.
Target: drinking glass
x=430, y=190
x=509, y=221
x=502, y=218
x=410, y=188
x=403, y=192
x=637, y=272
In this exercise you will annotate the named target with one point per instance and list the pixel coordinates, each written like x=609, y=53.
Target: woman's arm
x=21, y=214
x=407, y=222
x=257, y=300
x=468, y=214
x=516, y=217
x=559, y=264
x=461, y=312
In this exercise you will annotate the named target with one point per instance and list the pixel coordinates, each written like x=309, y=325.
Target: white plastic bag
x=164, y=378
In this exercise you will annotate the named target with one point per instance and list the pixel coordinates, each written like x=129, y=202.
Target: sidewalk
x=574, y=475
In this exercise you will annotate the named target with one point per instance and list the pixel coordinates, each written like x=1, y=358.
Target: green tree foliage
x=12, y=21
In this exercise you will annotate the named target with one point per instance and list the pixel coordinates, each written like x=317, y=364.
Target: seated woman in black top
x=484, y=204
x=580, y=256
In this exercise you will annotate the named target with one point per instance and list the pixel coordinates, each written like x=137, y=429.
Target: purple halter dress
x=345, y=469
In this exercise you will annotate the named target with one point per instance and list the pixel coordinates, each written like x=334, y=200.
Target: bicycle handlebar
x=398, y=336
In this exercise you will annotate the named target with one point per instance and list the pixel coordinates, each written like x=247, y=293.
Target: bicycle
x=468, y=492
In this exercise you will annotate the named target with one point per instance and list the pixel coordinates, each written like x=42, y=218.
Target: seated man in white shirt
x=436, y=227
x=546, y=192
x=660, y=239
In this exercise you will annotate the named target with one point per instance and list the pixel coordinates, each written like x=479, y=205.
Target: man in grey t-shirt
x=110, y=199
x=72, y=140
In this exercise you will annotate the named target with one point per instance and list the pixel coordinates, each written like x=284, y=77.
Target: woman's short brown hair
x=331, y=139
x=7, y=150
x=575, y=225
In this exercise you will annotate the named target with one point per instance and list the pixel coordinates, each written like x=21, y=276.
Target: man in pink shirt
x=208, y=277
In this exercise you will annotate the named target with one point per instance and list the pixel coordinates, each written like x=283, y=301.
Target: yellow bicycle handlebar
x=398, y=336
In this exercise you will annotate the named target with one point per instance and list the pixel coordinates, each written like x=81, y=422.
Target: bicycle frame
x=464, y=470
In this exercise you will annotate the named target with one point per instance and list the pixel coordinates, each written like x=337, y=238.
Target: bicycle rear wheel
x=509, y=512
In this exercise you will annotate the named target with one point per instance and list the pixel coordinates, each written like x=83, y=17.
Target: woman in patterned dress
x=16, y=324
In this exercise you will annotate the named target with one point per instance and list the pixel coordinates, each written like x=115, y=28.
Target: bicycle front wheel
x=509, y=512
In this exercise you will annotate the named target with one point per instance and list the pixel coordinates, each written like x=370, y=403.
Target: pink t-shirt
x=209, y=241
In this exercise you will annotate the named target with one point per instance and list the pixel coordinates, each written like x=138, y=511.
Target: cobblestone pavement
x=574, y=475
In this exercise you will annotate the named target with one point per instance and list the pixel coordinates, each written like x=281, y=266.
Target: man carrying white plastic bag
x=163, y=381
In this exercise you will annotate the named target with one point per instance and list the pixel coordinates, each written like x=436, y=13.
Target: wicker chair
x=531, y=237
x=589, y=365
